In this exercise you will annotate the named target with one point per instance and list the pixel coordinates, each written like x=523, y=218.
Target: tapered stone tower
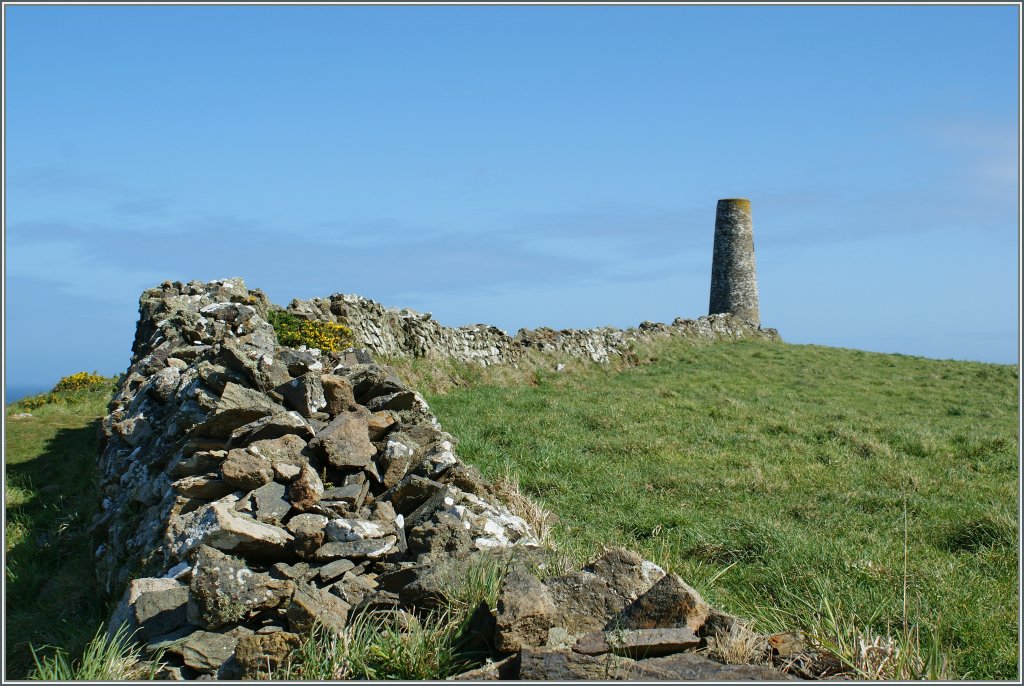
x=733, y=273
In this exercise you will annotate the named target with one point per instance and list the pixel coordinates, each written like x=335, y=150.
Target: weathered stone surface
x=502, y=670
x=546, y=664
x=270, y=505
x=626, y=573
x=345, y=441
x=694, y=667
x=258, y=656
x=246, y=471
x=310, y=604
x=344, y=530
x=584, y=600
x=205, y=486
x=637, y=643
x=284, y=449
x=357, y=550
x=306, y=490
x=152, y=607
x=309, y=533
x=202, y=462
x=237, y=406
x=525, y=612
x=411, y=492
x=442, y=534
x=205, y=651
x=224, y=590
x=338, y=394
x=402, y=400
x=380, y=423
x=273, y=426
x=669, y=603
x=304, y=394
x=396, y=460
x=218, y=526
x=334, y=570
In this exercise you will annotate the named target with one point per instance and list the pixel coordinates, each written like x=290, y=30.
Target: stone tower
x=733, y=273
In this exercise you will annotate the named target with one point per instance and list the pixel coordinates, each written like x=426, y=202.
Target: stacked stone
x=404, y=333
x=249, y=489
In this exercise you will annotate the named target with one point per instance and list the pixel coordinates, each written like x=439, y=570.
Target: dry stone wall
x=251, y=490
x=405, y=333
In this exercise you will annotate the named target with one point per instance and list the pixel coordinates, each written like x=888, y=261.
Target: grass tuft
x=105, y=658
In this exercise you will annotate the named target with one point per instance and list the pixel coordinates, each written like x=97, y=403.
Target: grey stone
x=733, y=269
x=694, y=667
x=547, y=664
x=304, y=394
x=205, y=651
x=637, y=643
x=402, y=400
x=332, y=571
x=357, y=550
x=270, y=504
x=442, y=534
x=411, y=492
x=151, y=607
x=286, y=449
x=219, y=526
x=224, y=590
x=396, y=460
x=202, y=462
x=273, y=426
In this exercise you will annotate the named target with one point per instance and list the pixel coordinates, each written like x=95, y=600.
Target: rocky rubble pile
x=250, y=490
x=405, y=333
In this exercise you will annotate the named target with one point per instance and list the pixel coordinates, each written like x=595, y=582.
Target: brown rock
x=309, y=533
x=380, y=423
x=668, y=604
x=306, y=490
x=246, y=471
x=525, y=612
x=310, y=604
x=205, y=486
x=259, y=655
x=345, y=441
x=205, y=651
x=338, y=394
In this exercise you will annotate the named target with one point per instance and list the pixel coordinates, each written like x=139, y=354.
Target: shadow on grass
x=52, y=596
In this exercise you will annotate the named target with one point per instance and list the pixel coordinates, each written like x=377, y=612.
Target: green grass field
x=776, y=478
x=779, y=480
x=51, y=497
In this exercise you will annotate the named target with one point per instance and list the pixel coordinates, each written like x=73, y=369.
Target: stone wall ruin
x=249, y=490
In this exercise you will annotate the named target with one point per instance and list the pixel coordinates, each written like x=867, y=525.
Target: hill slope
x=773, y=477
x=776, y=477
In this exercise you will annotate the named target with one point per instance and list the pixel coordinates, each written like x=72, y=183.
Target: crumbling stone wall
x=249, y=490
x=404, y=333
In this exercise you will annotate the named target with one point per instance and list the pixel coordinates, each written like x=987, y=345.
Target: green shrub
x=106, y=658
x=294, y=331
x=81, y=381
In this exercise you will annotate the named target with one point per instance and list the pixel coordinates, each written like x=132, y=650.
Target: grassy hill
x=781, y=481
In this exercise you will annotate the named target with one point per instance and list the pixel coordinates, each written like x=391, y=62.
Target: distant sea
x=16, y=392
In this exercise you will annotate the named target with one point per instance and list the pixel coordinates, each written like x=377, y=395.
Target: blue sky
x=520, y=166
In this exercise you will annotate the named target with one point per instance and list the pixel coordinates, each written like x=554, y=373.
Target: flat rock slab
x=355, y=550
x=205, y=651
x=694, y=667
x=563, y=665
x=637, y=643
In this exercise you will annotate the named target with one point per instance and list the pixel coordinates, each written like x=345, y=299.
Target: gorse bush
x=69, y=390
x=294, y=331
x=81, y=381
